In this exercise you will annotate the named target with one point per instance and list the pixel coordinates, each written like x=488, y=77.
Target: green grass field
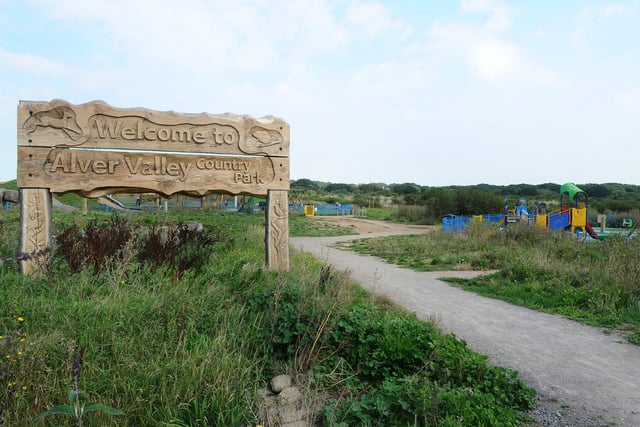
x=596, y=282
x=186, y=339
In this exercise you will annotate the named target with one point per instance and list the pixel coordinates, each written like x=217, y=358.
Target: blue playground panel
x=559, y=221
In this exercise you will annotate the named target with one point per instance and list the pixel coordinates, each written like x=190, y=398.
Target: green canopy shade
x=572, y=191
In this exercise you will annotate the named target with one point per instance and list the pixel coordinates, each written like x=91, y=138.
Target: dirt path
x=583, y=376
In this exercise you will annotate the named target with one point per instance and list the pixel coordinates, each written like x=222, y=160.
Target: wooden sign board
x=96, y=173
x=95, y=149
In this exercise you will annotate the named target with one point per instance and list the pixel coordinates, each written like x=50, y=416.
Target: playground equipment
x=572, y=215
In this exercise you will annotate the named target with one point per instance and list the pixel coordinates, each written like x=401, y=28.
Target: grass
x=193, y=348
x=301, y=225
x=597, y=283
x=424, y=252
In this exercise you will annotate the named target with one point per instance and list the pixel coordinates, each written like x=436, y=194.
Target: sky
x=433, y=92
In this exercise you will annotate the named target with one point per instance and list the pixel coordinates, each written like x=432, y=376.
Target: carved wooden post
x=277, y=229
x=35, y=229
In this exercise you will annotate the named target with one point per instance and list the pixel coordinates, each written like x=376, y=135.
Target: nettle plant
x=76, y=407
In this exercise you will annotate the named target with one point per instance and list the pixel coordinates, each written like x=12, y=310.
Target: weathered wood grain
x=96, y=125
x=35, y=229
x=277, y=230
x=95, y=173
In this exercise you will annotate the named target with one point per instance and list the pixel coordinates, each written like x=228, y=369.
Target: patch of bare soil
x=368, y=226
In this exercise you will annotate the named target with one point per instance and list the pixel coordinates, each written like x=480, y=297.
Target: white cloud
x=212, y=36
x=592, y=19
x=390, y=80
x=604, y=11
x=501, y=15
x=374, y=19
x=579, y=37
x=31, y=64
x=494, y=59
x=490, y=57
x=614, y=9
x=628, y=100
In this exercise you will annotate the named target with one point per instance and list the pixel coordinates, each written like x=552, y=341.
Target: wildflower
x=19, y=353
x=24, y=388
x=75, y=369
x=20, y=319
x=21, y=339
x=8, y=356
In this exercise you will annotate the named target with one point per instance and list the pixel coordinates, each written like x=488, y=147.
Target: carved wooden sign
x=95, y=149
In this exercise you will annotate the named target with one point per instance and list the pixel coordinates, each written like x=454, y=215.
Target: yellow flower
x=8, y=356
x=21, y=339
x=20, y=319
x=19, y=353
x=24, y=388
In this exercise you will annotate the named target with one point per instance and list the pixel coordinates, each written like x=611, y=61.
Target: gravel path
x=584, y=377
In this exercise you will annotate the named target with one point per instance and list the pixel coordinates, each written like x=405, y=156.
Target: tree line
x=468, y=200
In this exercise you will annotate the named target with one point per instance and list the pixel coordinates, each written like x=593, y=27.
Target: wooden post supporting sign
x=35, y=229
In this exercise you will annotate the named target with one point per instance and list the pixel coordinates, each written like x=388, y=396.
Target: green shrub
x=401, y=371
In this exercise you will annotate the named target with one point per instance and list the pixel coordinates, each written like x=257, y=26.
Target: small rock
x=280, y=382
x=264, y=393
x=289, y=395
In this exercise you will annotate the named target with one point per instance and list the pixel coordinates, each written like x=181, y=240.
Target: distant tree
x=304, y=183
x=596, y=190
x=469, y=201
x=520, y=190
x=439, y=202
x=617, y=205
x=339, y=188
x=406, y=188
x=371, y=188
x=527, y=190
x=554, y=188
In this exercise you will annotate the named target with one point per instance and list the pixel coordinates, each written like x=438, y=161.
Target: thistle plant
x=76, y=408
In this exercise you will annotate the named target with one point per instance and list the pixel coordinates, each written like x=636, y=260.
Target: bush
x=412, y=213
x=94, y=245
x=181, y=247
x=401, y=371
x=118, y=241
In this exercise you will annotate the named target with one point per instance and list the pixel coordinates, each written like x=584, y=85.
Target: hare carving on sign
x=62, y=118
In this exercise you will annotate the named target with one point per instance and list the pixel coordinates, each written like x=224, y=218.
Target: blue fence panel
x=493, y=217
x=296, y=207
x=455, y=222
x=333, y=209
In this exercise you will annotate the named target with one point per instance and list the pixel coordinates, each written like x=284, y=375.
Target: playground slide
x=591, y=231
x=112, y=202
